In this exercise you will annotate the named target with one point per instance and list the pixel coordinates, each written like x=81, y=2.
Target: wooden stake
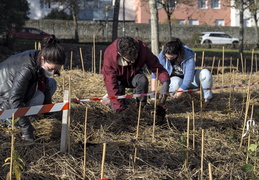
x=230, y=64
x=223, y=65
x=210, y=172
x=202, y=60
x=252, y=61
x=137, y=132
x=187, y=141
x=202, y=152
x=193, y=126
x=71, y=59
x=103, y=160
x=155, y=104
x=82, y=61
x=249, y=135
x=237, y=64
x=212, y=66
x=218, y=68
x=64, y=129
x=12, y=148
x=94, y=59
x=85, y=141
x=242, y=62
x=256, y=63
x=246, y=112
x=100, y=63
x=68, y=122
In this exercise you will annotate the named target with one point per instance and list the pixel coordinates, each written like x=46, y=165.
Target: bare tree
x=253, y=7
x=154, y=27
x=73, y=6
x=115, y=19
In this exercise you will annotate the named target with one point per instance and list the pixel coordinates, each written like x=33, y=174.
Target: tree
x=253, y=7
x=73, y=6
x=115, y=19
x=58, y=14
x=154, y=27
x=13, y=15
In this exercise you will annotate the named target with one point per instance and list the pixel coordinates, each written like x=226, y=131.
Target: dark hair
x=53, y=52
x=174, y=47
x=128, y=47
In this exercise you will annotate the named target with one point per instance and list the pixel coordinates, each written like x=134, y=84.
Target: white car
x=217, y=38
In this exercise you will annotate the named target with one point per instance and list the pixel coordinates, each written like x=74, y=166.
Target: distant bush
x=58, y=14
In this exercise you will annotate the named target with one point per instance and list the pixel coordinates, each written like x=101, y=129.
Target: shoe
x=28, y=137
x=27, y=133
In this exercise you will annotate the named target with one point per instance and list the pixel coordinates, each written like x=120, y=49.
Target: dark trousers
x=140, y=83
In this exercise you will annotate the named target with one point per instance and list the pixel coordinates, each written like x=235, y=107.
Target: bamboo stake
x=202, y=152
x=100, y=63
x=242, y=63
x=202, y=60
x=256, y=63
x=137, y=132
x=223, y=65
x=71, y=59
x=69, y=112
x=245, y=65
x=187, y=141
x=201, y=95
x=155, y=104
x=35, y=45
x=193, y=124
x=212, y=66
x=210, y=172
x=252, y=61
x=231, y=64
x=103, y=160
x=246, y=112
x=85, y=141
x=218, y=68
x=82, y=61
x=249, y=136
x=231, y=95
x=39, y=46
x=237, y=63
x=94, y=59
x=12, y=148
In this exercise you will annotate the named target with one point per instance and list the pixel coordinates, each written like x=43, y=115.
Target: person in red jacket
x=123, y=66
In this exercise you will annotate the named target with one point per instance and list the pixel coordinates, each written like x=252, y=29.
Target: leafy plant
x=252, y=154
x=18, y=165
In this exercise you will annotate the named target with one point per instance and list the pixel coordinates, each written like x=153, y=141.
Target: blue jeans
x=38, y=98
x=202, y=76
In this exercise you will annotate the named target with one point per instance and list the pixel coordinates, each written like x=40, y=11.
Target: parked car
x=217, y=38
x=27, y=32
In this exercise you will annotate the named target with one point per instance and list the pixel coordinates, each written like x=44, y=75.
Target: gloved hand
x=163, y=92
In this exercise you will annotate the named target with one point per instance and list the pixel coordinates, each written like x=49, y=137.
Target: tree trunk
x=115, y=20
x=241, y=30
x=154, y=27
x=170, y=25
x=256, y=30
x=76, y=37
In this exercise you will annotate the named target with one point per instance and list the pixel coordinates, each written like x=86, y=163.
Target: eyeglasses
x=127, y=60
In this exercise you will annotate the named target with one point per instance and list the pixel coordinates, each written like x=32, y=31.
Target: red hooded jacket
x=113, y=72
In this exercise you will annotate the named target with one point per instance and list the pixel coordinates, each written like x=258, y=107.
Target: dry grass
x=164, y=158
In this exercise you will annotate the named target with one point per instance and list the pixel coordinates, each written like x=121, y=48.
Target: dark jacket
x=113, y=72
x=19, y=80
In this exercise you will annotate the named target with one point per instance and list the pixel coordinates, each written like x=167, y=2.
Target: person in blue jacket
x=178, y=60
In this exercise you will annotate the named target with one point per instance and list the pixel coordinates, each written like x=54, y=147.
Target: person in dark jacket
x=25, y=80
x=122, y=68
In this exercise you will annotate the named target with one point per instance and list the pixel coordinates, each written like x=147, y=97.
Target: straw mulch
x=164, y=156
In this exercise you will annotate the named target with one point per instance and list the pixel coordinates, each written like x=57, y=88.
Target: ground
x=171, y=150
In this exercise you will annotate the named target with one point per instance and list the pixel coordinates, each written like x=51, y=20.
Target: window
x=45, y=4
x=193, y=22
x=215, y=4
x=181, y=21
x=202, y=4
x=246, y=23
x=219, y=22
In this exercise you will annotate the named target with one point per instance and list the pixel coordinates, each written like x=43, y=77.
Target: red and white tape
x=27, y=111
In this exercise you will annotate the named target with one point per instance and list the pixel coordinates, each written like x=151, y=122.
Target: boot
x=26, y=129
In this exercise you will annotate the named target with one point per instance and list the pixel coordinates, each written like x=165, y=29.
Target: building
x=193, y=12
